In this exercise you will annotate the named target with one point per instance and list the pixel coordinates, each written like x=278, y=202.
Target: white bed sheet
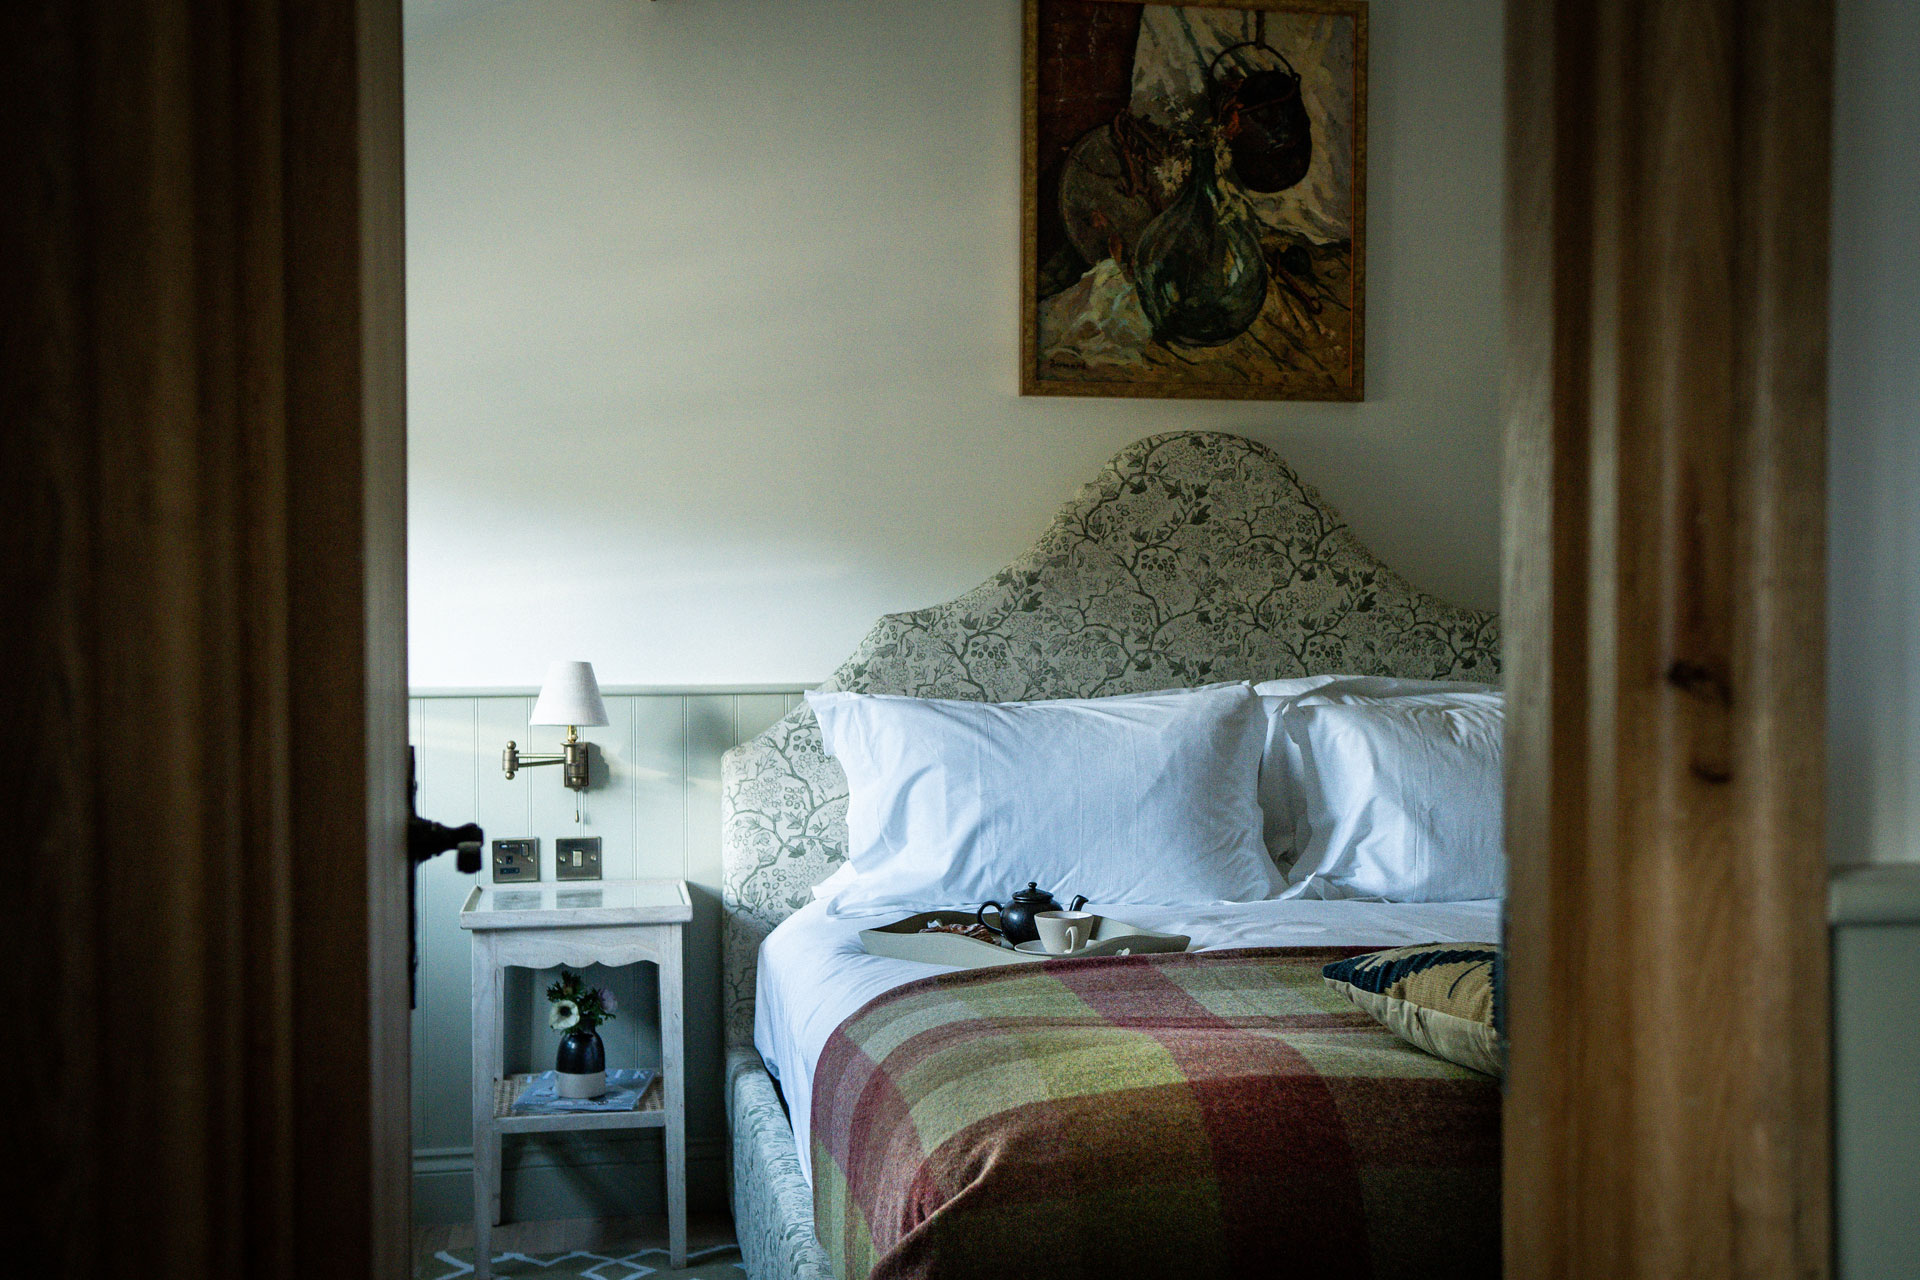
x=814, y=974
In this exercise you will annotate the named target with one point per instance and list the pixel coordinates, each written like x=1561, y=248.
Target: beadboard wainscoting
x=654, y=801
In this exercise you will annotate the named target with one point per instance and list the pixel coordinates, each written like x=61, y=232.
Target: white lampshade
x=570, y=696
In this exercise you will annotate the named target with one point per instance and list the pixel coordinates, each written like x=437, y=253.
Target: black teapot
x=1016, y=918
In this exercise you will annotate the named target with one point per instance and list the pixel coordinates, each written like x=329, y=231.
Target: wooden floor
x=558, y=1235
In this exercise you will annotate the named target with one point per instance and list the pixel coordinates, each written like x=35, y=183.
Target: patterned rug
x=616, y=1263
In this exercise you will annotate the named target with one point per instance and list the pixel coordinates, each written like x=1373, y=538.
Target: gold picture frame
x=1193, y=199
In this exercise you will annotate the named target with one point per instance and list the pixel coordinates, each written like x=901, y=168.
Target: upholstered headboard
x=1193, y=557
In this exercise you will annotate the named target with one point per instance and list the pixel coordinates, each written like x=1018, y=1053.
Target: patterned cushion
x=1439, y=996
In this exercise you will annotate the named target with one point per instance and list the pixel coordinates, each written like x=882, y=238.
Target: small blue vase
x=581, y=1064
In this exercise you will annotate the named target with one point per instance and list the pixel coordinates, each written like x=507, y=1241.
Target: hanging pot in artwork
x=1201, y=276
x=1262, y=114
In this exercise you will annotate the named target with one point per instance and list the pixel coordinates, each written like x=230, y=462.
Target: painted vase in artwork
x=581, y=1066
x=1201, y=276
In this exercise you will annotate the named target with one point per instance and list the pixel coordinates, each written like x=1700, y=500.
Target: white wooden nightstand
x=538, y=926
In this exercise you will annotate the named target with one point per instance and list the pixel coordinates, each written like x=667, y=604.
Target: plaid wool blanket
x=1211, y=1114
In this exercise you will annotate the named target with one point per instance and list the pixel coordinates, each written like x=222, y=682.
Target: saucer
x=1036, y=948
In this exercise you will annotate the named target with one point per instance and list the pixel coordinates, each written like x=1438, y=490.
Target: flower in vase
x=564, y=1016
x=607, y=1002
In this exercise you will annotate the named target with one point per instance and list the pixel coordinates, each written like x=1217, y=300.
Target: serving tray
x=902, y=940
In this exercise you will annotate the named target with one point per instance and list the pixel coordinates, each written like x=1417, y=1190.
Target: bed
x=1192, y=558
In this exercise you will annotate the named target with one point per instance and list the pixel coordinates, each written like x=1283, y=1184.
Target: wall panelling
x=655, y=803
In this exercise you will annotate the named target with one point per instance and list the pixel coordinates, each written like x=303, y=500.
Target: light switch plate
x=576, y=858
x=516, y=861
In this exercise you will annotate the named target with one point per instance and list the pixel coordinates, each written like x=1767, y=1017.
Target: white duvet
x=814, y=974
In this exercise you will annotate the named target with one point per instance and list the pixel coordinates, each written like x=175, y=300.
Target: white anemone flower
x=564, y=1016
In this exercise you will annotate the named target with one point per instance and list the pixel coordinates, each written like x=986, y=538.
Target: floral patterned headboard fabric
x=1193, y=557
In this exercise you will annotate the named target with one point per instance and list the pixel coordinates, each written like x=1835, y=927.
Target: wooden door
x=1668, y=990
x=202, y=498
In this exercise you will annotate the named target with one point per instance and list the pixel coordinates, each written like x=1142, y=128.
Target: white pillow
x=844, y=874
x=1148, y=798
x=1403, y=801
x=1282, y=802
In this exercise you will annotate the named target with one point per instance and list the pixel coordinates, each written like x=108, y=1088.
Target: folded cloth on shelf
x=1212, y=1113
x=625, y=1087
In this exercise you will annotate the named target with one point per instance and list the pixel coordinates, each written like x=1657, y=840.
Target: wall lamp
x=570, y=696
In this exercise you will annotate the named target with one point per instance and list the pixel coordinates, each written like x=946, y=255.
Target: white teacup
x=1065, y=931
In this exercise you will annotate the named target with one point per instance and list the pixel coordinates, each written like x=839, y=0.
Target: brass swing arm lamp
x=572, y=756
x=570, y=696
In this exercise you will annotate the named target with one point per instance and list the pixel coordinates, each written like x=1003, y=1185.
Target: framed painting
x=1194, y=199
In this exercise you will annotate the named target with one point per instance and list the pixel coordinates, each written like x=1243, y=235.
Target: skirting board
x=1875, y=911
x=570, y=1177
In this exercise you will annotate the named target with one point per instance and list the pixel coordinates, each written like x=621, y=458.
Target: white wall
x=712, y=341
x=1874, y=433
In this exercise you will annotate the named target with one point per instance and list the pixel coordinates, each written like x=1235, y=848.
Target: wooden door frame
x=202, y=470
x=1667, y=981
x=205, y=643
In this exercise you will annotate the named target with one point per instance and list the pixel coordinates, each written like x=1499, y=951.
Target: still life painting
x=1195, y=199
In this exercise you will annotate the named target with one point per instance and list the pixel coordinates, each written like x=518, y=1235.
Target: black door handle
x=429, y=839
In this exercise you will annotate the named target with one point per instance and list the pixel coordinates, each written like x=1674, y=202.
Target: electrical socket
x=576, y=858
x=516, y=861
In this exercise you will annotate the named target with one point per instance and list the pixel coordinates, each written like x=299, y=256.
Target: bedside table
x=538, y=926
